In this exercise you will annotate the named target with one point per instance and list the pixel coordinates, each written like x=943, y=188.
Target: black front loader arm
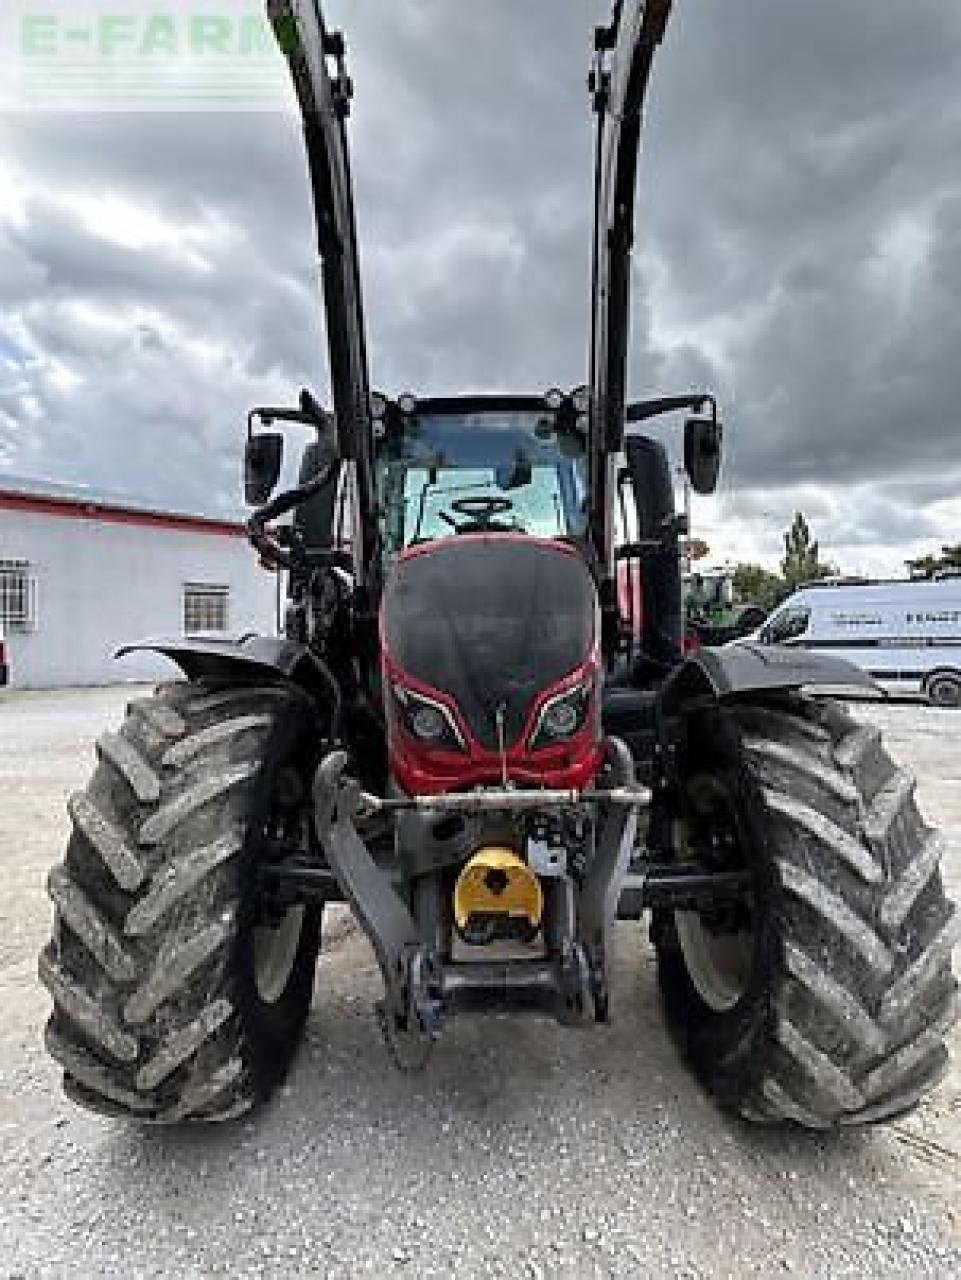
x=625, y=53
x=315, y=56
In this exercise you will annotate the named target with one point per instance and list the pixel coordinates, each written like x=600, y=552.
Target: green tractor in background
x=713, y=614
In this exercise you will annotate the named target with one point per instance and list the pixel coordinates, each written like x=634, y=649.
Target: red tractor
x=461, y=736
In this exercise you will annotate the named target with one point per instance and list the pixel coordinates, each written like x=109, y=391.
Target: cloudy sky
x=799, y=251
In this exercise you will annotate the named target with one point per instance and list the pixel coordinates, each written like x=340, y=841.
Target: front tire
x=827, y=1002
x=175, y=997
x=943, y=689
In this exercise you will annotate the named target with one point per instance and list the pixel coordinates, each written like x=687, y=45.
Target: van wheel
x=943, y=689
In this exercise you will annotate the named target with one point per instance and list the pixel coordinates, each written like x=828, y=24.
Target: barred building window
x=18, y=595
x=206, y=608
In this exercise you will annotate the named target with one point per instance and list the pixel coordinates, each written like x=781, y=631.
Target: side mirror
x=702, y=453
x=262, y=460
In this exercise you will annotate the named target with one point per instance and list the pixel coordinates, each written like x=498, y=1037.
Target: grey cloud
x=818, y=129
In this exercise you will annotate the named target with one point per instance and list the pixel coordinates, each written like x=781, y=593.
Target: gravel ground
x=526, y=1150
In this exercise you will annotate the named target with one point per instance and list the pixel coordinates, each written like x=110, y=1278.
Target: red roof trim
x=78, y=509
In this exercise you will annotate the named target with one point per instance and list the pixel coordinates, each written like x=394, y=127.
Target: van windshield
x=789, y=624
x=486, y=471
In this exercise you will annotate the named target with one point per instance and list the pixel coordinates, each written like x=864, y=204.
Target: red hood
x=488, y=626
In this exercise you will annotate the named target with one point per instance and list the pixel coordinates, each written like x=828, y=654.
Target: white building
x=81, y=574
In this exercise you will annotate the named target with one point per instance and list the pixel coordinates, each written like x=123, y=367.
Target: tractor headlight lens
x=428, y=721
x=563, y=716
x=560, y=720
x=428, y=724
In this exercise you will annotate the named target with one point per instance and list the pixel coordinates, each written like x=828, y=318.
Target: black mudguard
x=743, y=669
x=248, y=659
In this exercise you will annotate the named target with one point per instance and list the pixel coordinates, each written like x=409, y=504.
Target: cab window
x=513, y=471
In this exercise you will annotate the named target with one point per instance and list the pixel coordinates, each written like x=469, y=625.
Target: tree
x=753, y=584
x=802, y=561
x=927, y=566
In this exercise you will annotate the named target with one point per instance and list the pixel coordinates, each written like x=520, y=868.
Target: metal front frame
x=624, y=55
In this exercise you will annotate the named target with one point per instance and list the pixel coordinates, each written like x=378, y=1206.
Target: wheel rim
x=945, y=692
x=275, y=954
x=718, y=964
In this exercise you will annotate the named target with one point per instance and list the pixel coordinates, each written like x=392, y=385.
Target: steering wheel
x=479, y=513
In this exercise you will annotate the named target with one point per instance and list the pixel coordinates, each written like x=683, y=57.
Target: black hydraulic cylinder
x=681, y=887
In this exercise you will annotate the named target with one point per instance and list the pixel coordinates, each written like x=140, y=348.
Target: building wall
x=101, y=584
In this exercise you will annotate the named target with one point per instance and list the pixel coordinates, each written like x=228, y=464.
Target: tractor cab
x=489, y=626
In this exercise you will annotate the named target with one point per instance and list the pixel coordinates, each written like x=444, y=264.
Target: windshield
x=497, y=471
x=789, y=624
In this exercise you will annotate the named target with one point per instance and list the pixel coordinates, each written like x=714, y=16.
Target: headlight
x=428, y=721
x=562, y=716
x=428, y=724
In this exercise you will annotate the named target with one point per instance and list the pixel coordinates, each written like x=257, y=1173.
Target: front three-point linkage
x=420, y=987
x=410, y=1014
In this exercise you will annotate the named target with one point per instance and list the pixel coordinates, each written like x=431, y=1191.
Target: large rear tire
x=175, y=998
x=827, y=1001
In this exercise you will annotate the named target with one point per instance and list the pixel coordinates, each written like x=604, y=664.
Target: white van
x=905, y=634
